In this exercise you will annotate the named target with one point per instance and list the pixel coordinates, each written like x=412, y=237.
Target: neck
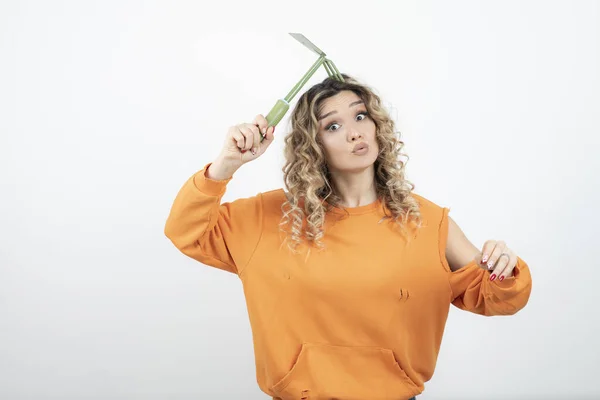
x=355, y=189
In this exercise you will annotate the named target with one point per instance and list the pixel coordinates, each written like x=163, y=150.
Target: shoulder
x=259, y=205
x=272, y=200
x=434, y=216
x=266, y=199
x=428, y=206
x=277, y=195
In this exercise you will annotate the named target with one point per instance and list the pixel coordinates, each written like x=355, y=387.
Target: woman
x=349, y=275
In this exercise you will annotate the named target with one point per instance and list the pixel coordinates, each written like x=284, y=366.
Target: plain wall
x=106, y=108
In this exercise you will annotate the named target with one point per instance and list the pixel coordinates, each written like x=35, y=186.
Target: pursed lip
x=360, y=146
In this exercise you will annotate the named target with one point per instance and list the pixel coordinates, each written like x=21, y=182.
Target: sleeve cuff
x=515, y=285
x=209, y=186
x=507, y=282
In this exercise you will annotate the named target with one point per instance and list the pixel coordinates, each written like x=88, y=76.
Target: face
x=347, y=133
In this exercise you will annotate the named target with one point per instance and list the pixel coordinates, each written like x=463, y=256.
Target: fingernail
x=485, y=257
x=491, y=265
x=254, y=150
x=492, y=277
x=501, y=278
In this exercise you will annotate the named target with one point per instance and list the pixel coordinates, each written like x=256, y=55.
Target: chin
x=358, y=166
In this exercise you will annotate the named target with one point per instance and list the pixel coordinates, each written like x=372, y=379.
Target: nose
x=354, y=134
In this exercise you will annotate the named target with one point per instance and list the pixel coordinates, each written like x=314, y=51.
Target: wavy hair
x=308, y=181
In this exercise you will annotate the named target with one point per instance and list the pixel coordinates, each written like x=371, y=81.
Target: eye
x=328, y=128
x=361, y=116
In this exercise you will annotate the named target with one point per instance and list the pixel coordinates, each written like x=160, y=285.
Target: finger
x=262, y=123
x=500, y=267
x=239, y=139
x=252, y=137
x=257, y=138
x=495, y=254
x=248, y=133
x=267, y=141
x=499, y=249
x=488, y=248
x=270, y=134
x=509, y=267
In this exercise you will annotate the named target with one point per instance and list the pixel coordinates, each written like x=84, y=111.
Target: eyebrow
x=333, y=112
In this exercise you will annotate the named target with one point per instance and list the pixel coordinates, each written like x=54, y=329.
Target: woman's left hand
x=498, y=257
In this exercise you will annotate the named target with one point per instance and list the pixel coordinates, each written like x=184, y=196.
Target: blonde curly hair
x=308, y=181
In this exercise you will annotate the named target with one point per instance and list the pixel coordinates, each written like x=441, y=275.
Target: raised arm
x=222, y=235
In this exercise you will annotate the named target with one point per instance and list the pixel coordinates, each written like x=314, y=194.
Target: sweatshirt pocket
x=324, y=371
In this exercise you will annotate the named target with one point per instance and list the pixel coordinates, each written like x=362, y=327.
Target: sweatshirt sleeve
x=473, y=291
x=471, y=287
x=221, y=235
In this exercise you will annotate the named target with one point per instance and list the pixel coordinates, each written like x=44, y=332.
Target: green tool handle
x=276, y=114
x=282, y=106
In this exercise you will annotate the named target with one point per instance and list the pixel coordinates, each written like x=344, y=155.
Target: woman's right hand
x=243, y=144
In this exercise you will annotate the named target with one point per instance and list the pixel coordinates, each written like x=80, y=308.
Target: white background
x=106, y=108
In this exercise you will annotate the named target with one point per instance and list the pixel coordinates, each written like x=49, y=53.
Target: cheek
x=373, y=129
x=332, y=144
x=335, y=150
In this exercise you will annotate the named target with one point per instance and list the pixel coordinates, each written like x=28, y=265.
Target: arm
x=219, y=235
x=459, y=250
x=474, y=286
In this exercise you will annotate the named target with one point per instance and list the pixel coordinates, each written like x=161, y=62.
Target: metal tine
x=337, y=73
x=328, y=69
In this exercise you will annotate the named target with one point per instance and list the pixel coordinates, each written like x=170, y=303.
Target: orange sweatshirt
x=363, y=319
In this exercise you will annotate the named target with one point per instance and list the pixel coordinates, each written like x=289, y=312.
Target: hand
x=243, y=142
x=502, y=266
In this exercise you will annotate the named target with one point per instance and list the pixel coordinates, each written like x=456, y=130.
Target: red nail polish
x=492, y=277
x=501, y=278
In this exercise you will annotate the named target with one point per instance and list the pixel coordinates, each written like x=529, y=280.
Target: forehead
x=339, y=101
